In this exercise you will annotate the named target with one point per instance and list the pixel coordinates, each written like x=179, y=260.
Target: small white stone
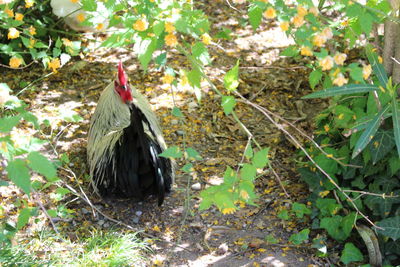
x=196, y=186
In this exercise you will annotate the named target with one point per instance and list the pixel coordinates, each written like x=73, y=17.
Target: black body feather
x=138, y=171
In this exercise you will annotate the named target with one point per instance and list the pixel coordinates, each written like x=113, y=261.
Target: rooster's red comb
x=121, y=74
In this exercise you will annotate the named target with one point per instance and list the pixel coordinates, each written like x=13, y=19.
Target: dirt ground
x=186, y=236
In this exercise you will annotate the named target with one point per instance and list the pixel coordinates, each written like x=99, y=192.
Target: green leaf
x=42, y=165
x=225, y=33
x=338, y=227
x=89, y=5
x=255, y=16
x=228, y=104
x=70, y=115
x=188, y=168
x=300, y=209
x=230, y=176
x=64, y=158
x=19, y=175
x=315, y=77
x=231, y=78
x=194, y=78
x=161, y=59
x=343, y=90
x=52, y=213
x=248, y=153
x=23, y=218
x=351, y=254
x=381, y=145
x=366, y=21
x=369, y=132
x=356, y=73
x=192, y=154
x=300, y=237
x=171, y=152
x=328, y=206
x=246, y=192
x=158, y=28
x=223, y=200
x=177, y=112
x=396, y=122
x=378, y=68
x=200, y=52
x=145, y=51
x=290, y=51
x=8, y=123
x=391, y=227
x=248, y=172
x=260, y=158
x=270, y=239
x=394, y=164
x=284, y=215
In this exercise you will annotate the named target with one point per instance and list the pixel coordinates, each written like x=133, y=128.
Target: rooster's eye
x=123, y=87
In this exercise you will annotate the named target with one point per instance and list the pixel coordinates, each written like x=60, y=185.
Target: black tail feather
x=137, y=170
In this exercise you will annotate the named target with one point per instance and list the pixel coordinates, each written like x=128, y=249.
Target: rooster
x=124, y=144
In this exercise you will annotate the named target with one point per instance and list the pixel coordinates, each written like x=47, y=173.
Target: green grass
x=100, y=249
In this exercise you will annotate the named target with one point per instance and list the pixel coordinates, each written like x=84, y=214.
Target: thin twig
x=243, y=100
x=297, y=143
x=20, y=68
x=278, y=179
x=39, y=203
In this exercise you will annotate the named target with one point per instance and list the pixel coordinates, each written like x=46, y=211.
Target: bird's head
x=121, y=85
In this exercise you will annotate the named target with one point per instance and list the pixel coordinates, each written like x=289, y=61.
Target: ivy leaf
x=228, y=104
x=260, y=158
x=300, y=237
x=171, y=152
x=300, y=209
x=328, y=206
x=391, y=227
x=42, y=165
x=23, y=218
x=231, y=78
x=284, y=215
x=351, y=254
x=381, y=144
x=19, y=175
x=255, y=16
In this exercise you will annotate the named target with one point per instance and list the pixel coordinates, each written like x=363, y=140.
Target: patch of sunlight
x=272, y=38
x=181, y=247
x=57, y=113
x=164, y=101
x=272, y=261
x=205, y=260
